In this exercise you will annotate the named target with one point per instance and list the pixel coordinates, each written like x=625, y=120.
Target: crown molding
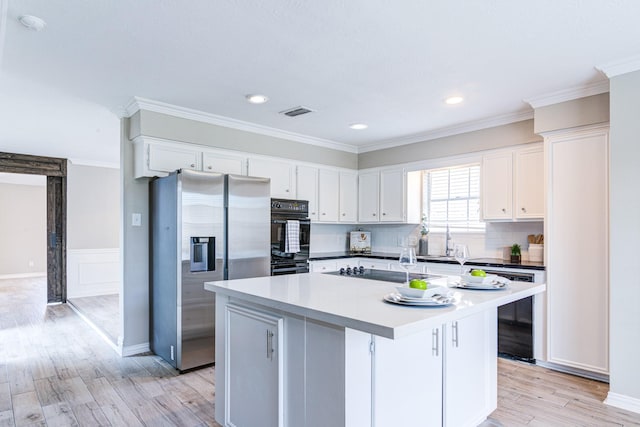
x=622, y=66
x=568, y=94
x=137, y=103
x=450, y=130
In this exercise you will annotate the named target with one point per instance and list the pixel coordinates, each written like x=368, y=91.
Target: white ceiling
x=387, y=64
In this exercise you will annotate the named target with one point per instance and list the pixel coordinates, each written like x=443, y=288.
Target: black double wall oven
x=296, y=260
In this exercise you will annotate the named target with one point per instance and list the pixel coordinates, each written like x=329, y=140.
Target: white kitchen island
x=322, y=350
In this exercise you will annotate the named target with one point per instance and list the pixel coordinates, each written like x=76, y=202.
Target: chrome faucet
x=448, y=248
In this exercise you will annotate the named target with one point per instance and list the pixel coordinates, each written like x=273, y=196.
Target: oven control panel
x=286, y=206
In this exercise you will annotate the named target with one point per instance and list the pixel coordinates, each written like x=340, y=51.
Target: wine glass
x=408, y=259
x=461, y=254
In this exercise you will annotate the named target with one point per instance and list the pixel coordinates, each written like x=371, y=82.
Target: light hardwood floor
x=56, y=371
x=103, y=311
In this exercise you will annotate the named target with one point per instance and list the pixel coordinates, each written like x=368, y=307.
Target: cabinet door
x=470, y=369
x=308, y=189
x=348, y=197
x=168, y=158
x=322, y=266
x=392, y=196
x=529, y=183
x=282, y=176
x=497, y=186
x=578, y=270
x=253, y=368
x=368, y=196
x=221, y=163
x=328, y=195
x=407, y=380
x=374, y=264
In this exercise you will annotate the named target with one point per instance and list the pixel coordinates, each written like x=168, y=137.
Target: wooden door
x=55, y=169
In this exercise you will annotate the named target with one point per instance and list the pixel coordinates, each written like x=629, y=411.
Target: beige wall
x=624, y=225
x=485, y=139
x=23, y=227
x=93, y=207
x=570, y=114
x=164, y=126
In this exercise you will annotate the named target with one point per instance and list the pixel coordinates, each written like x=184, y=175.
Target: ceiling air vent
x=296, y=111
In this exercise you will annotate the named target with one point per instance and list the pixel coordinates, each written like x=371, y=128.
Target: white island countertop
x=357, y=303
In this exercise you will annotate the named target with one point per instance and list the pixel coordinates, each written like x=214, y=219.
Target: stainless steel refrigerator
x=204, y=227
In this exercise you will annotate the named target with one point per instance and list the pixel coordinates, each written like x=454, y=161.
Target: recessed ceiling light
x=454, y=100
x=32, y=22
x=358, y=126
x=257, y=99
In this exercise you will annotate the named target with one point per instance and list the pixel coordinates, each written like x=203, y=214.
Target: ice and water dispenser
x=203, y=254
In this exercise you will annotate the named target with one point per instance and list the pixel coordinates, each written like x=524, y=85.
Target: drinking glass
x=408, y=260
x=461, y=254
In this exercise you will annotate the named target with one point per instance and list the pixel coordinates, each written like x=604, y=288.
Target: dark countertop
x=484, y=262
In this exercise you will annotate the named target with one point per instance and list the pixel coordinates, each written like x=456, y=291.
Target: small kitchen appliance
x=360, y=242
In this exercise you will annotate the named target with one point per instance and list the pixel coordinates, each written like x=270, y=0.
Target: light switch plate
x=136, y=219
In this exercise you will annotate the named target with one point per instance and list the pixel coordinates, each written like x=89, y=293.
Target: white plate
x=468, y=278
x=396, y=298
x=495, y=285
x=413, y=293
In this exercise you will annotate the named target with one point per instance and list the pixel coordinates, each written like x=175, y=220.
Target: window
x=452, y=197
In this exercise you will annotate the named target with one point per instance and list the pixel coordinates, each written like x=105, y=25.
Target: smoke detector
x=32, y=22
x=296, y=111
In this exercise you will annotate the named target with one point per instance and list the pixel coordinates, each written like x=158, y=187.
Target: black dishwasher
x=515, y=323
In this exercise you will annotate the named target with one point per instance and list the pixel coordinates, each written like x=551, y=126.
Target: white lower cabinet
x=323, y=266
x=253, y=368
x=375, y=264
x=470, y=369
x=449, y=371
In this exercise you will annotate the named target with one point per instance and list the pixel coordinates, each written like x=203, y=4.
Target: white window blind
x=452, y=197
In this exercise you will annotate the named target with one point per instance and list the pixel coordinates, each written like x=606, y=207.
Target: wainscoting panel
x=93, y=272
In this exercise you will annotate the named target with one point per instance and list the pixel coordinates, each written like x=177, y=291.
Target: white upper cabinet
x=389, y=196
x=513, y=185
x=392, y=193
x=368, y=196
x=222, y=163
x=529, y=183
x=348, y=197
x=497, y=186
x=282, y=174
x=159, y=158
x=308, y=189
x=328, y=195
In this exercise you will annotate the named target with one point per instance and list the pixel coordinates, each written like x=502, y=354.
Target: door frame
x=55, y=169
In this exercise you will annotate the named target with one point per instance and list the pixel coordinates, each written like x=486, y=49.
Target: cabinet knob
x=504, y=210
x=323, y=213
x=374, y=214
x=384, y=213
x=287, y=190
x=313, y=213
x=193, y=165
x=209, y=167
x=524, y=210
x=344, y=214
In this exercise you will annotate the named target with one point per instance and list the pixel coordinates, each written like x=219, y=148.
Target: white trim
x=95, y=328
x=95, y=163
x=4, y=5
x=93, y=272
x=568, y=94
x=23, y=275
x=450, y=130
x=622, y=66
x=623, y=402
x=574, y=371
x=137, y=103
x=132, y=350
x=570, y=133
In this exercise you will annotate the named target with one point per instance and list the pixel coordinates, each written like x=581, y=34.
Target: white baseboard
x=574, y=371
x=23, y=275
x=132, y=350
x=92, y=272
x=96, y=329
x=623, y=402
